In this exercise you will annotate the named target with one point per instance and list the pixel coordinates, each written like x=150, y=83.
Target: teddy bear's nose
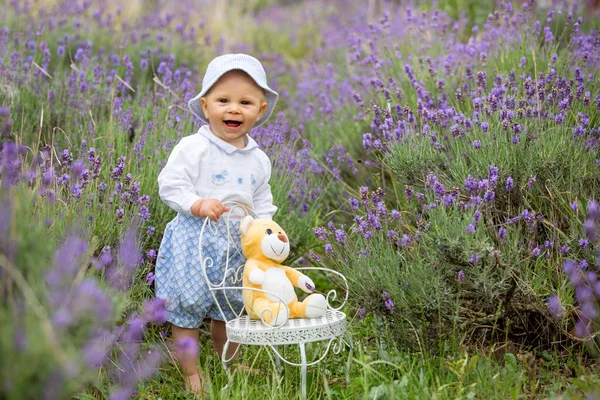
x=282, y=237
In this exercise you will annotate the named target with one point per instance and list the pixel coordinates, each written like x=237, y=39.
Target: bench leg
x=277, y=360
x=350, y=350
x=303, y=369
x=227, y=371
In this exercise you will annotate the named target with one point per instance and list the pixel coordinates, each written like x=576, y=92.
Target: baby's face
x=232, y=106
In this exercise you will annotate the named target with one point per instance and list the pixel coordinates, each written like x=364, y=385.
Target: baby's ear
x=245, y=223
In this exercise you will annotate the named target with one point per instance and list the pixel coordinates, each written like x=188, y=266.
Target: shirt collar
x=223, y=145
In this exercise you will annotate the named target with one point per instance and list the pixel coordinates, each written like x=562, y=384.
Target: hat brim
x=271, y=97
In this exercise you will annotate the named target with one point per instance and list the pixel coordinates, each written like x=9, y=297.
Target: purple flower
x=535, y=252
x=389, y=304
x=590, y=230
x=476, y=144
x=461, y=276
x=150, y=278
x=592, y=209
x=573, y=205
x=144, y=213
x=340, y=237
x=151, y=254
x=328, y=248
x=569, y=267
x=314, y=256
x=509, y=184
x=361, y=313
x=320, y=233
x=484, y=126
x=489, y=196
x=582, y=327
x=555, y=306
x=515, y=139
x=476, y=217
x=523, y=61
x=474, y=259
x=583, y=243
x=502, y=234
x=589, y=309
x=548, y=36
x=405, y=240
x=154, y=311
x=565, y=249
x=470, y=228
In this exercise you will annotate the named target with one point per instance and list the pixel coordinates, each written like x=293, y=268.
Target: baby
x=217, y=166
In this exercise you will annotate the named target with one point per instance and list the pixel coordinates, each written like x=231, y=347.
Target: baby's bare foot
x=196, y=384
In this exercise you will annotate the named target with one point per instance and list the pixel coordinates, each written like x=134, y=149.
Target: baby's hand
x=209, y=208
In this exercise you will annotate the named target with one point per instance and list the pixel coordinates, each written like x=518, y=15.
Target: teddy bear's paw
x=279, y=319
x=316, y=305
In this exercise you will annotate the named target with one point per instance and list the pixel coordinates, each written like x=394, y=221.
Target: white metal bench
x=329, y=328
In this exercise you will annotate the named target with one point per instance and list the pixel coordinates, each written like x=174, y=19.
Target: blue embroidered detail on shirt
x=252, y=180
x=220, y=179
x=240, y=181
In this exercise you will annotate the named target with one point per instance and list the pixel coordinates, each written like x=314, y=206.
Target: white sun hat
x=229, y=62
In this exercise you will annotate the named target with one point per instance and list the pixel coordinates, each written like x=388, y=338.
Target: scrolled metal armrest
x=332, y=293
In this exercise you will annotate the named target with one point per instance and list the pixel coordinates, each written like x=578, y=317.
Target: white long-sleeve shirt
x=202, y=166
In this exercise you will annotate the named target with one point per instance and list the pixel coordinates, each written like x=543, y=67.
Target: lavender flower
x=362, y=312
x=150, y=278
x=502, y=234
x=320, y=233
x=555, y=306
x=592, y=210
x=509, y=184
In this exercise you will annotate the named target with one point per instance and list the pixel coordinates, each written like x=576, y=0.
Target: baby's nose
x=282, y=237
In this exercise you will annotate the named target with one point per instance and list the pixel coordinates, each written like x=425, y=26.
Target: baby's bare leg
x=219, y=337
x=186, y=352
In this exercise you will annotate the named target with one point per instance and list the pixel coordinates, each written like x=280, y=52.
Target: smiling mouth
x=275, y=251
x=232, y=124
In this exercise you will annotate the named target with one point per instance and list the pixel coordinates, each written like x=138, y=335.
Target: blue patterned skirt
x=179, y=275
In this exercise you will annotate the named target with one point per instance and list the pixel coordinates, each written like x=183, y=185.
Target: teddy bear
x=265, y=246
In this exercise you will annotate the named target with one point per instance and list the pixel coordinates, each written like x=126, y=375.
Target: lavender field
x=444, y=156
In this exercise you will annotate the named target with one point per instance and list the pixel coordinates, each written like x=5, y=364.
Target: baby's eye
x=269, y=231
x=246, y=103
x=222, y=100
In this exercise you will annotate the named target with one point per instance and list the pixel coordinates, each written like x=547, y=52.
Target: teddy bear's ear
x=245, y=223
